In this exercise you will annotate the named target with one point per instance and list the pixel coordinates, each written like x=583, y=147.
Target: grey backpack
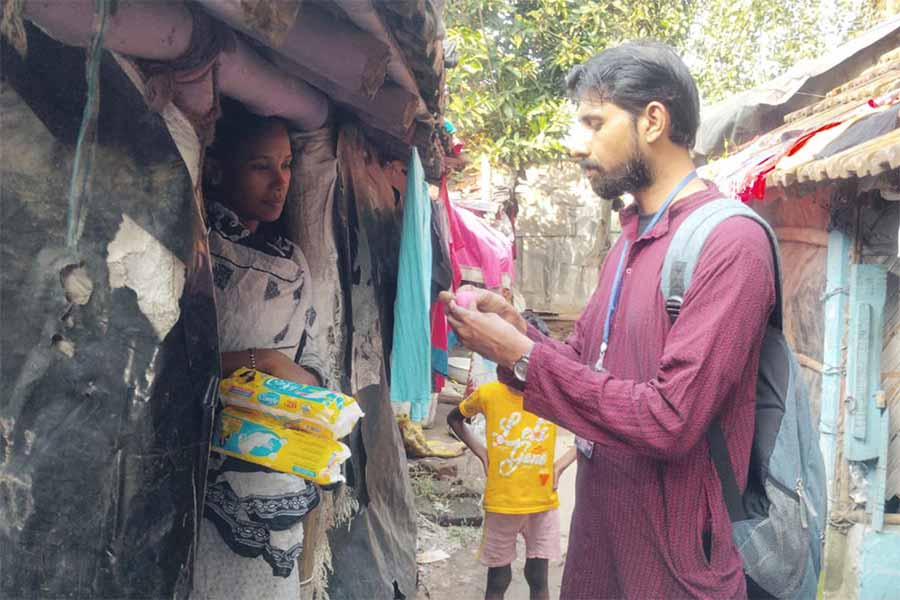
x=779, y=521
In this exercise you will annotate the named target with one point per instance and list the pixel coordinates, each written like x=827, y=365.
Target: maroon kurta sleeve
x=706, y=352
x=571, y=349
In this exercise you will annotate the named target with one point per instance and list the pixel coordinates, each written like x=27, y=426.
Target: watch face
x=520, y=369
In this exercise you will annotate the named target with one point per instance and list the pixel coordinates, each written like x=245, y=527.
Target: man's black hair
x=635, y=74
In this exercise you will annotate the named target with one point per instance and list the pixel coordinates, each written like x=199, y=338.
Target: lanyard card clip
x=598, y=366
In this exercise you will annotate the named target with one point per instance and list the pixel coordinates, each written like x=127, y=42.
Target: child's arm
x=562, y=464
x=456, y=421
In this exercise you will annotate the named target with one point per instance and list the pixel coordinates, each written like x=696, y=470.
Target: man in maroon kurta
x=649, y=519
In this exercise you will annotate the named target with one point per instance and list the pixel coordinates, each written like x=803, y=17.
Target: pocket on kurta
x=686, y=539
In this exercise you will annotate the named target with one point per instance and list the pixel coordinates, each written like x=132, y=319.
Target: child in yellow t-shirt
x=520, y=495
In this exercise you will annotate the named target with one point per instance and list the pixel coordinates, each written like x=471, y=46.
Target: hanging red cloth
x=439, y=327
x=755, y=185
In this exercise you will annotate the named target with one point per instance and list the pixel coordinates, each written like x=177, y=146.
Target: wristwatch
x=520, y=367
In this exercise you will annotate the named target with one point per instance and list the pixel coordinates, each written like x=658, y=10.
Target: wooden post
x=312, y=531
x=839, y=491
x=842, y=469
x=836, y=284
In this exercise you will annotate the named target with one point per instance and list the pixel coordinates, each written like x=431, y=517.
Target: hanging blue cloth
x=411, y=354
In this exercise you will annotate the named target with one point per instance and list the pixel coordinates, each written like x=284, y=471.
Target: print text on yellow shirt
x=520, y=447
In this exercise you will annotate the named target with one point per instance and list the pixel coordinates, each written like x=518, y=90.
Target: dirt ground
x=460, y=576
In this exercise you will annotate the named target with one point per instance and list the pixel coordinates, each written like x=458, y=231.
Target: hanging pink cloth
x=440, y=352
x=486, y=254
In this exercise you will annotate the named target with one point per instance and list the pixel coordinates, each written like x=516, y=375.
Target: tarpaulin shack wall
x=109, y=330
x=828, y=180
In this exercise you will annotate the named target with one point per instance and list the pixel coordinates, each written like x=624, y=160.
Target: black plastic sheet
x=105, y=407
x=375, y=557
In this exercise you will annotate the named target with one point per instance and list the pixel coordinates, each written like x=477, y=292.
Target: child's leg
x=498, y=551
x=536, y=576
x=497, y=582
x=542, y=545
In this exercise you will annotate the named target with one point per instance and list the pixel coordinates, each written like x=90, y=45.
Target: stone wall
x=562, y=235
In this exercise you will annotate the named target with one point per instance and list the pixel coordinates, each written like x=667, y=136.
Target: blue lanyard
x=617, y=282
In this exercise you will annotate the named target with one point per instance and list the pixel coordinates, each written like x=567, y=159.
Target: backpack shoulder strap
x=687, y=244
x=731, y=493
x=678, y=268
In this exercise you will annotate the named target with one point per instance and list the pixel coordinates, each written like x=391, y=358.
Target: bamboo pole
x=312, y=528
x=842, y=473
x=802, y=235
x=860, y=516
x=814, y=365
x=810, y=363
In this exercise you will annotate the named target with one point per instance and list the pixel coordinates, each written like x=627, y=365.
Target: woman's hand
x=279, y=365
x=269, y=361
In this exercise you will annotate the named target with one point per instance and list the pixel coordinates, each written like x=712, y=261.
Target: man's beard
x=631, y=177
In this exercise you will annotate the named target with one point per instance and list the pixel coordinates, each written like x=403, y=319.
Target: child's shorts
x=499, y=534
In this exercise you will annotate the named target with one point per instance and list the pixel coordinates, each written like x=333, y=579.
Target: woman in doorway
x=253, y=533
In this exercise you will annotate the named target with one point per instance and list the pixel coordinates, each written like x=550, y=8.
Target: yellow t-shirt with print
x=520, y=447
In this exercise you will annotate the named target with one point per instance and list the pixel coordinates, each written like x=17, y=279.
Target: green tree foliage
x=737, y=45
x=507, y=91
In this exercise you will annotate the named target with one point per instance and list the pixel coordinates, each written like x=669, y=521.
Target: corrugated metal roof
x=877, y=86
x=833, y=106
x=869, y=158
x=872, y=82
